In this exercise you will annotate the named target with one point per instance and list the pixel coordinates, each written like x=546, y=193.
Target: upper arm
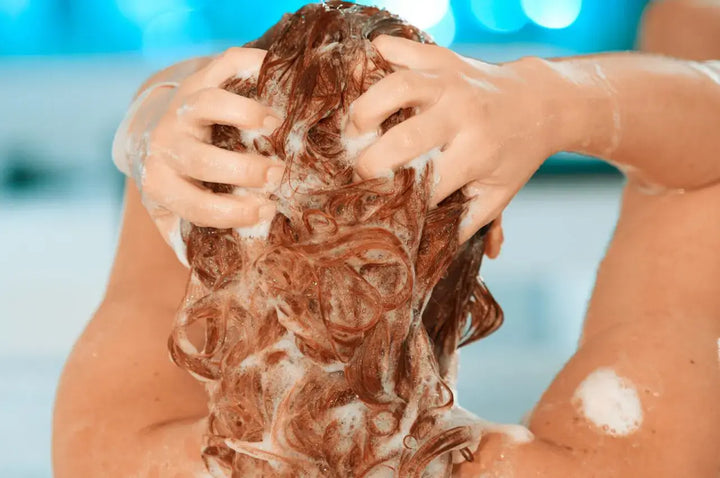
x=654, y=319
x=120, y=398
x=663, y=261
x=654, y=322
x=687, y=29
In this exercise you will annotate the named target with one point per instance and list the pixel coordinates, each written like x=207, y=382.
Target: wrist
x=575, y=102
x=143, y=114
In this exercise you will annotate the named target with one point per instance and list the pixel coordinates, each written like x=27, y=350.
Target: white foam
x=334, y=367
x=711, y=69
x=471, y=214
x=610, y=402
x=328, y=47
x=517, y=434
x=453, y=368
x=350, y=416
x=184, y=109
x=295, y=141
x=248, y=136
x=178, y=245
x=354, y=145
x=261, y=230
x=421, y=162
x=571, y=72
x=245, y=74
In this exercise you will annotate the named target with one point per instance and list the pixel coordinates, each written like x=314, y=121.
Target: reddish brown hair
x=328, y=346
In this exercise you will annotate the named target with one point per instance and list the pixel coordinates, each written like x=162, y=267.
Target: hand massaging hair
x=329, y=344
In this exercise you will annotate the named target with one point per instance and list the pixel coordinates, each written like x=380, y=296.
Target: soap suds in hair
x=330, y=338
x=609, y=402
x=355, y=145
x=259, y=230
x=420, y=163
x=178, y=245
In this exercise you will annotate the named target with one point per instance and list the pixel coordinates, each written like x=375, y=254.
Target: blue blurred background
x=68, y=69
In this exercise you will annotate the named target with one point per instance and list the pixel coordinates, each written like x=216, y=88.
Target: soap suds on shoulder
x=609, y=402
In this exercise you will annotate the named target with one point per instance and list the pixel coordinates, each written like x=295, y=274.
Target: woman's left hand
x=494, y=124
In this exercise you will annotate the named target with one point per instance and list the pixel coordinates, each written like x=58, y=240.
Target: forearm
x=656, y=116
x=150, y=102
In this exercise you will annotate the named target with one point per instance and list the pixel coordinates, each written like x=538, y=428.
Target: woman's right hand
x=164, y=144
x=487, y=128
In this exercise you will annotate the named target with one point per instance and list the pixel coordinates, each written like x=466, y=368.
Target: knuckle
x=253, y=171
x=193, y=165
x=243, y=168
x=203, y=97
x=210, y=212
x=205, y=76
x=406, y=81
x=406, y=138
x=248, y=112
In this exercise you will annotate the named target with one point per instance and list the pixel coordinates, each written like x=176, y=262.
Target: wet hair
x=328, y=347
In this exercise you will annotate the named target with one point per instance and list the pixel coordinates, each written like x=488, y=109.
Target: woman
x=651, y=333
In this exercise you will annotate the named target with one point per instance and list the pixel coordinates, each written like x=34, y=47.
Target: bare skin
x=124, y=410
x=164, y=145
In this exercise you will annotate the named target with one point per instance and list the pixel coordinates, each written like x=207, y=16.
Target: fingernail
x=274, y=175
x=373, y=172
x=266, y=213
x=271, y=123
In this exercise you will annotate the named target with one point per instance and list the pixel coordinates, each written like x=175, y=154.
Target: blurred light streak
x=444, y=31
x=422, y=14
x=176, y=34
x=503, y=16
x=13, y=8
x=143, y=11
x=553, y=14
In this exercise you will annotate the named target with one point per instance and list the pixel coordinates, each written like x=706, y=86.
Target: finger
x=486, y=204
x=206, y=162
x=494, y=238
x=414, y=55
x=398, y=90
x=234, y=62
x=217, y=106
x=200, y=206
x=453, y=169
x=404, y=143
